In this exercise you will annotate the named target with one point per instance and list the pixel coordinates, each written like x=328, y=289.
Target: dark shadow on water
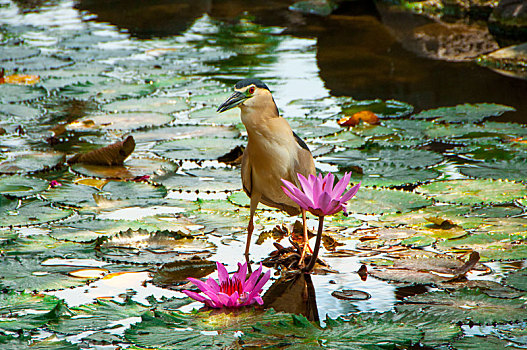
x=409, y=291
x=358, y=50
x=293, y=294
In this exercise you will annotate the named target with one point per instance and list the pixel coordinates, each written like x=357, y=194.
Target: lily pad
x=466, y=113
x=156, y=104
x=10, y=93
x=23, y=343
x=175, y=273
x=199, y=148
x=103, y=314
x=356, y=333
x=121, y=121
x=203, y=179
x=143, y=247
x=39, y=63
x=513, y=169
x=21, y=186
x=13, y=53
x=517, y=279
x=132, y=168
x=185, y=131
x=31, y=212
x=30, y=161
x=474, y=191
x=481, y=342
x=382, y=201
x=106, y=91
x=384, y=109
x=467, y=305
x=88, y=230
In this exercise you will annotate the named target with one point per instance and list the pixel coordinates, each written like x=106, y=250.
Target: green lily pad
x=132, y=168
x=384, y=109
x=203, y=179
x=30, y=161
x=21, y=186
x=386, y=166
x=121, y=121
x=342, y=139
x=22, y=112
x=513, y=169
x=156, y=104
x=418, y=241
x=484, y=342
x=31, y=212
x=473, y=191
x=23, y=320
x=13, y=53
x=143, y=247
x=466, y=113
x=199, y=148
x=9, y=342
x=310, y=128
x=409, y=129
x=10, y=93
x=356, y=333
x=39, y=63
x=88, y=230
x=184, y=131
x=106, y=91
x=114, y=194
x=467, y=305
x=517, y=279
x=382, y=201
x=467, y=132
x=103, y=314
x=221, y=217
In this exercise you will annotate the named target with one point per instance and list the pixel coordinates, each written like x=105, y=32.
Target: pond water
x=437, y=184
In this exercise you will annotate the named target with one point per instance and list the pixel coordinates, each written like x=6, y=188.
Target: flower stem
x=314, y=257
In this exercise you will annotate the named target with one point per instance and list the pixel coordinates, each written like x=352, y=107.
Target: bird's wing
x=247, y=181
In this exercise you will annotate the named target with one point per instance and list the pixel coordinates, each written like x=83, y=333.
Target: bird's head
x=248, y=93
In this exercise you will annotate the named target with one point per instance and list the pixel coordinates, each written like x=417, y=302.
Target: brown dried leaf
x=114, y=154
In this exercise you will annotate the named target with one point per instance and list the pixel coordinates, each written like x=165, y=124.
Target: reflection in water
x=408, y=291
x=293, y=294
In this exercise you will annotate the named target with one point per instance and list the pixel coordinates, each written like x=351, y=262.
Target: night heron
x=273, y=152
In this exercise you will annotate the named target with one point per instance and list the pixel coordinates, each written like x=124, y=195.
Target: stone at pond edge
x=511, y=60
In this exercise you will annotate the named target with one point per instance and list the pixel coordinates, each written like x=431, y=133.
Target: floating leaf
x=185, y=131
x=487, y=342
x=467, y=305
x=148, y=104
x=88, y=230
x=143, y=247
x=474, y=191
x=13, y=53
x=198, y=148
x=30, y=161
x=133, y=168
x=21, y=186
x=38, y=63
x=20, y=79
x=466, y=113
x=513, y=169
x=21, y=320
x=174, y=273
x=381, y=201
x=385, y=109
x=351, y=294
x=121, y=121
x=72, y=194
x=31, y=212
x=103, y=314
x=517, y=279
x=23, y=343
x=107, y=90
x=356, y=333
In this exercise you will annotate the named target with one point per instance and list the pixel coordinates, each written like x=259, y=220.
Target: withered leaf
x=114, y=154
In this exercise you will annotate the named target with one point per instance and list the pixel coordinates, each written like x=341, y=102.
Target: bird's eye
x=251, y=90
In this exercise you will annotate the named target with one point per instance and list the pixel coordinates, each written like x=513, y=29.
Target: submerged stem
x=314, y=257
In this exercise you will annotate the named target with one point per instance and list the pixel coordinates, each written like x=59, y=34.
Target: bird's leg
x=255, y=199
x=306, y=239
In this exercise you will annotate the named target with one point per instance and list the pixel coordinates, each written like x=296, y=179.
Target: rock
x=510, y=60
x=314, y=7
x=450, y=42
x=509, y=20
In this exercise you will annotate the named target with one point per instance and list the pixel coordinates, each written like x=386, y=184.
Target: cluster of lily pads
x=436, y=186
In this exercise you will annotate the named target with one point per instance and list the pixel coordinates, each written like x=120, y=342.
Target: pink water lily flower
x=54, y=183
x=319, y=197
x=230, y=292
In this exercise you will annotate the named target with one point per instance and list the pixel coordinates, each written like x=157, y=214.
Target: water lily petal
x=249, y=286
x=262, y=281
x=341, y=185
x=233, y=299
x=194, y=295
x=200, y=284
x=224, y=298
x=298, y=197
x=258, y=299
x=323, y=202
x=347, y=196
x=223, y=275
x=307, y=187
x=216, y=301
x=241, y=274
x=211, y=282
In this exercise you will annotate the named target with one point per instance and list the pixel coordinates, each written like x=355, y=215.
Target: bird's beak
x=233, y=101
